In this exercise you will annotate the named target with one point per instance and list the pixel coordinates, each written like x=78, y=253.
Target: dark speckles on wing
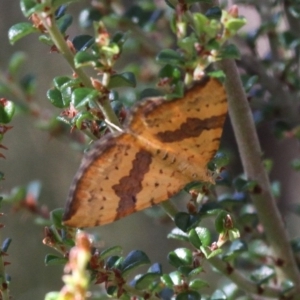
x=98, y=149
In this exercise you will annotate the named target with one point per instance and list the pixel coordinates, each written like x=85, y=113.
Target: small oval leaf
x=20, y=30
x=189, y=295
x=134, y=260
x=126, y=79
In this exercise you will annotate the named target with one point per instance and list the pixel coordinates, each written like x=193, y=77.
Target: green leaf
x=178, y=91
x=7, y=110
x=82, y=42
x=145, y=280
x=115, y=250
x=114, y=262
x=180, y=257
x=147, y=93
x=54, y=260
x=197, y=284
x=235, y=24
x=5, y=245
x=294, y=9
x=169, y=71
x=134, y=260
x=209, y=253
x=56, y=217
x=55, y=97
x=83, y=59
x=178, y=234
x=217, y=74
x=16, y=61
x=196, y=271
x=187, y=45
x=220, y=159
x=60, y=12
x=83, y=96
x=155, y=268
x=214, y=13
x=45, y=39
x=167, y=280
x=204, y=235
x=126, y=79
x=111, y=290
x=259, y=248
x=189, y=295
x=16, y=195
x=262, y=275
x=145, y=18
x=176, y=277
x=66, y=94
x=20, y=30
x=28, y=7
x=60, y=80
x=240, y=183
x=218, y=295
x=289, y=40
x=249, y=82
x=81, y=117
x=228, y=201
x=119, y=38
x=287, y=286
x=64, y=23
x=185, y=270
x=200, y=23
x=200, y=236
x=185, y=221
x=236, y=248
x=233, y=234
x=194, y=238
x=230, y=51
x=220, y=221
x=88, y=16
x=169, y=56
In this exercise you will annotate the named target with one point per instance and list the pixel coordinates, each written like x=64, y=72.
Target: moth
x=164, y=146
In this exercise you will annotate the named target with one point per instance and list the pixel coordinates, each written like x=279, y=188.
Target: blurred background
x=35, y=155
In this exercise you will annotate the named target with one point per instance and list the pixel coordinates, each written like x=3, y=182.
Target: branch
x=242, y=282
x=59, y=41
x=250, y=152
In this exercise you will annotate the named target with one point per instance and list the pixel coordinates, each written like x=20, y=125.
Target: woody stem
x=250, y=152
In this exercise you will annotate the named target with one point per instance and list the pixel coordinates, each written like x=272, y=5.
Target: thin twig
x=59, y=41
x=243, y=283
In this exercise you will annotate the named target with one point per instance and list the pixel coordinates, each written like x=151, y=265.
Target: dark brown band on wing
x=193, y=127
x=129, y=186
